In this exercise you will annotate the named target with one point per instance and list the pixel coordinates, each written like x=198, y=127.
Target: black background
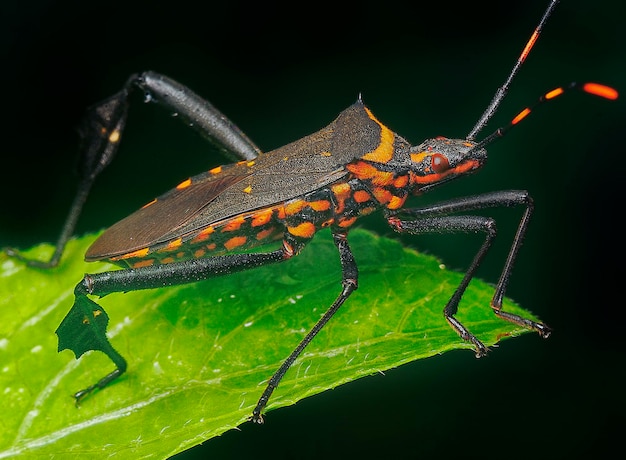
x=281, y=71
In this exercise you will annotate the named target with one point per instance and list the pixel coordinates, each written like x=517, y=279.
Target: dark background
x=283, y=70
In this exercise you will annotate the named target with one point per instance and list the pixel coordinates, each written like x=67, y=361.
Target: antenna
x=595, y=89
x=504, y=89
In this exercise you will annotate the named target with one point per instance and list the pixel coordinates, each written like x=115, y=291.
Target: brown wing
x=163, y=216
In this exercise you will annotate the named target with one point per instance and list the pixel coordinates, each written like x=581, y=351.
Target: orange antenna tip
x=600, y=90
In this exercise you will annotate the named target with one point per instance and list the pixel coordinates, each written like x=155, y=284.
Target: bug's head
x=439, y=160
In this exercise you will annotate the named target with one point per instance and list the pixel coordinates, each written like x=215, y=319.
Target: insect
x=208, y=225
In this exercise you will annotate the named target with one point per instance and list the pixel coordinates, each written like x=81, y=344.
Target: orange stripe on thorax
x=384, y=152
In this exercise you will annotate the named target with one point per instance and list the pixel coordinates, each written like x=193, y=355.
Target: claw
x=257, y=418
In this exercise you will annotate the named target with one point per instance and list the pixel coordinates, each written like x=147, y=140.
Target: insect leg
x=84, y=327
x=349, y=284
x=101, y=132
x=435, y=219
x=196, y=113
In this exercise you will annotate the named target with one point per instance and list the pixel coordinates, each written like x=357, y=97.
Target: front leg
x=434, y=219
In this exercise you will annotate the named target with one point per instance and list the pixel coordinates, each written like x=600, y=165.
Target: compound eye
x=439, y=163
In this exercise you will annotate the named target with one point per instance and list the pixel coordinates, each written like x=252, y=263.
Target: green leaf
x=199, y=355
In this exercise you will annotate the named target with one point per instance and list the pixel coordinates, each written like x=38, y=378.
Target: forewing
x=164, y=216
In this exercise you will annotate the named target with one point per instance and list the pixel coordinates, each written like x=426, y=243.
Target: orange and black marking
x=339, y=204
x=239, y=233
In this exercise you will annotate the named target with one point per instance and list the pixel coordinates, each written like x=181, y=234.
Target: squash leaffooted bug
x=352, y=167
